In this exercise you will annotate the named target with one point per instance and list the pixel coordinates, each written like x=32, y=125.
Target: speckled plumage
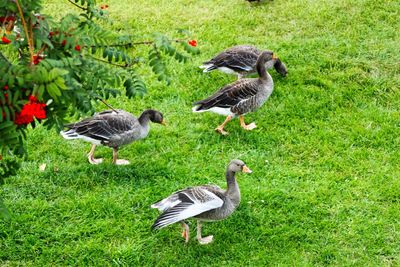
x=241, y=60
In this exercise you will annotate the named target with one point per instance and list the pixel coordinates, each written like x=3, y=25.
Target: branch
x=78, y=6
x=111, y=63
x=105, y=103
x=138, y=43
x=42, y=49
x=30, y=41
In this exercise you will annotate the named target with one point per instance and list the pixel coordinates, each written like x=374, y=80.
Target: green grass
x=325, y=188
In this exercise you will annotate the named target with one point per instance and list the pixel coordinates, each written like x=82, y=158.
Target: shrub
x=52, y=69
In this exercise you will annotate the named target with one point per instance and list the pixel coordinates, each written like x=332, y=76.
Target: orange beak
x=274, y=56
x=163, y=123
x=246, y=169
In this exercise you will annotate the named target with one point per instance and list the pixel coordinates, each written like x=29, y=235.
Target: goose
x=241, y=60
x=112, y=128
x=205, y=203
x=242, y=96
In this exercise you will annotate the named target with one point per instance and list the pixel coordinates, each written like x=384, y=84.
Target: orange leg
x=185, y=232
x=248, y=127
x=220, y=128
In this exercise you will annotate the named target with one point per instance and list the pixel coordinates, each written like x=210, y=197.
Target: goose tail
x=70, y=134
x=207, y=67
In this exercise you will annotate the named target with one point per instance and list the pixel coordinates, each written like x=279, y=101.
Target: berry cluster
x=32, y=109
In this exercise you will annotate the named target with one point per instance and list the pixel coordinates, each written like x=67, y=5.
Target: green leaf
x=6, y=125
x=53, y=91
x=6, y=113
x=59, y=81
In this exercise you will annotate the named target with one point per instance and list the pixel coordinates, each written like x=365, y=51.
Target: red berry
x=64, y=42
x=33, y=98
x=5, y=40
x=7, y=19
x=37, y=59
x=193, y=43
x=78, y=48
x=5, y=88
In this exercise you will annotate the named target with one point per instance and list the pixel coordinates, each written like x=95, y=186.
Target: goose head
x=155, y=116
x=266, y=57
x=237, y=165
x=280, y=67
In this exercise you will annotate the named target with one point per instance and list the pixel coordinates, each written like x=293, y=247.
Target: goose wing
x=230, y=95
x=238, y=58
x=103, y=126
x=185, y=204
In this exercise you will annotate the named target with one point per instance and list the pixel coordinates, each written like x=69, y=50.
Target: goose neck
x=231, y=183
x=144, y=119
x=261, y=69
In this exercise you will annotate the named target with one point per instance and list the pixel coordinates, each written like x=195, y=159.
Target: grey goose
x=112, y=128
x=205, y=203
x=241, y=60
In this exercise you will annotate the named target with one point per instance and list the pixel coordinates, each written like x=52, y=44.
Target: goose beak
x=274, y=56
x=163, y=123
x=246, y=169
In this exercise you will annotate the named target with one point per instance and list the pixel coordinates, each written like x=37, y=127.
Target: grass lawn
x=325, y=156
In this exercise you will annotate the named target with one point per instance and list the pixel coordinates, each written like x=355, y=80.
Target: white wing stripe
x=186, y=210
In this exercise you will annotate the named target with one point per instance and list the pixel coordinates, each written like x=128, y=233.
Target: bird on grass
x=242, y=96
x=205, y=203
x=241, y=60
x=112, y=128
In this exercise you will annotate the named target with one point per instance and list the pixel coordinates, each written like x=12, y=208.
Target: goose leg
x=220, y=128
x=91, y=158
x=203, y=240
x=185, y=233
x=117, y=161
x=248, y=127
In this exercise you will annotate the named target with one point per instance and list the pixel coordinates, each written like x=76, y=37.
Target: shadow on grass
x=85, y=175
